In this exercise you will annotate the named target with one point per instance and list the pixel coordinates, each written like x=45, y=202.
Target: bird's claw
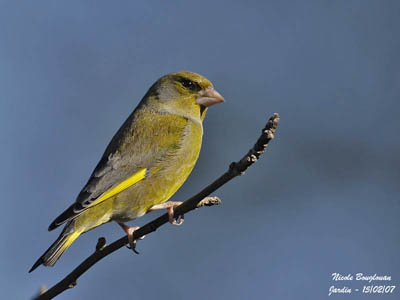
x=132, y=245
x=178, y=221
x=131, y=242
x=129, y=232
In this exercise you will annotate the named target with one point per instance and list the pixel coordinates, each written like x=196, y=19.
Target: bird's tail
x=66, y=238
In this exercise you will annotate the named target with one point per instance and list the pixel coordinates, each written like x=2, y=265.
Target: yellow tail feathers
x=50, y=257
x=62, y=245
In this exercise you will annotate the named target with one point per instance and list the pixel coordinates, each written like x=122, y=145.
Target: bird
x=146, y=162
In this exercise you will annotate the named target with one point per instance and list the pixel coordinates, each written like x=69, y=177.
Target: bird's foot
x=170, y=206
x=178, y=221
x=129, y=232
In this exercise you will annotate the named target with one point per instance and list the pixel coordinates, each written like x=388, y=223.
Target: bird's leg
x=170, y=206
x=129, y=231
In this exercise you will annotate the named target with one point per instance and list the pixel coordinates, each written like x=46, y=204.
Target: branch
x=198, y=200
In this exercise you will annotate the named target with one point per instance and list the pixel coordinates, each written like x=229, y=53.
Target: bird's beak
x=209, y=97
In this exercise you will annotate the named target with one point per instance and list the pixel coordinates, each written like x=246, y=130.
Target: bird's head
x=183, y=93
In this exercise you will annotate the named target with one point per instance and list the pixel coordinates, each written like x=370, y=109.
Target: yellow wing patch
x=122, y=186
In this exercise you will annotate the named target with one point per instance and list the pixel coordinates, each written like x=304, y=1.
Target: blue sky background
x=323, y=199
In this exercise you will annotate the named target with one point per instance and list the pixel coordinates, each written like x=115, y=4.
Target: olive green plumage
x=146, y=162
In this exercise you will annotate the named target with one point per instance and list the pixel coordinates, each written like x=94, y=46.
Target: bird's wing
x=118, y=170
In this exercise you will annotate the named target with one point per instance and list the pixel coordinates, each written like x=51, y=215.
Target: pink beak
x=209, y=97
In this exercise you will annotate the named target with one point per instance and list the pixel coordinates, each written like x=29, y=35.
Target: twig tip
x=101, y=243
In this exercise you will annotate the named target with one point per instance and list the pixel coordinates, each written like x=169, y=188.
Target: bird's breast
x=172, y=172
x=166, y=176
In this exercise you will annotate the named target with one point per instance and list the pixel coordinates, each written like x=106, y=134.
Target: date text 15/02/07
x=367, y=289
x=378, y=289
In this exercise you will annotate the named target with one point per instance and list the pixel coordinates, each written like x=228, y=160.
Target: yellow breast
x=162, y=180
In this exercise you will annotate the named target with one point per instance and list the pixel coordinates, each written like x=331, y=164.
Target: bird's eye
x=188, y=84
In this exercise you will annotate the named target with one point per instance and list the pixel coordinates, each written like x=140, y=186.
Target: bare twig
x=198, y=200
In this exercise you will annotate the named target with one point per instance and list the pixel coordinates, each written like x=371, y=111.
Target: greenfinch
x=146, y=162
